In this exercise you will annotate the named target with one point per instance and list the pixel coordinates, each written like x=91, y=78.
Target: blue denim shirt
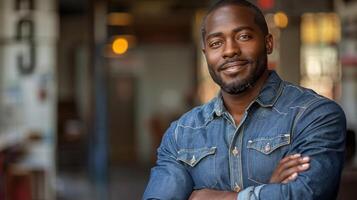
x=206, y=149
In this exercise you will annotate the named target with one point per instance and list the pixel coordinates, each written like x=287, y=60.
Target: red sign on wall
x=266, y=4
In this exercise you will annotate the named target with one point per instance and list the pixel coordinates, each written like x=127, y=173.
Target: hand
x=208, y=194
x=289, y=167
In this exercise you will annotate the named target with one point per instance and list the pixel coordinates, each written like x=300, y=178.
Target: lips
x=233, y=67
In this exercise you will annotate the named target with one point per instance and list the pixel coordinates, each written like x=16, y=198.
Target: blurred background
x=88, y=87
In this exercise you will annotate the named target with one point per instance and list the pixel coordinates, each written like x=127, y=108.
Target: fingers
x=289, y=168
x=295, y=162
x=292, y=177
x=290, y=157
x=287, y=173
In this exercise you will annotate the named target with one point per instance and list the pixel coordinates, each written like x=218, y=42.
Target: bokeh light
x=120, y=46
x=281, y=20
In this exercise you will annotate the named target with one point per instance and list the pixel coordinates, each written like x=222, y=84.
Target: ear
x=203, y=50
x=269, y=43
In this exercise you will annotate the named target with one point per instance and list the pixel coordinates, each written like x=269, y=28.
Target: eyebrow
x=236, y=30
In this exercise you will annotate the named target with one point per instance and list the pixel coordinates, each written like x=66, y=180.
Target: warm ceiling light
x=119, y=19
x=281, y=20
x=120, y=46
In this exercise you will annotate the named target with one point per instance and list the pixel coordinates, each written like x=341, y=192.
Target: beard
x=238, y=86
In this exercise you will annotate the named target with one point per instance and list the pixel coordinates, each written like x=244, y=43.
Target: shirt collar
x=218, y=108
x=266, y=98
x=270, y=91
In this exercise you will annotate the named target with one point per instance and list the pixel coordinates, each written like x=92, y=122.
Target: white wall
x=165, y=77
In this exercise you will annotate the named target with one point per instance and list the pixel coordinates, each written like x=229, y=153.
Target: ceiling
x=171, y=20
x=80, y=6
x=73, y=6
x=154, y=20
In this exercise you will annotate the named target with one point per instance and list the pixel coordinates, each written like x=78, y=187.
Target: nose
x=231, y=49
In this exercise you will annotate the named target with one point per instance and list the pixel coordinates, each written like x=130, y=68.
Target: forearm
x=209, y=194
x=169, y=179
x=164, y=184
x=321, y=181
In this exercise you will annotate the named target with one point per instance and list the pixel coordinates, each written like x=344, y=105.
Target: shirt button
x=236, y=188
x=235, y=151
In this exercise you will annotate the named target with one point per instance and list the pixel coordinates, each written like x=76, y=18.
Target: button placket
x=235, y=159
x=236, y=165
x=235, y=151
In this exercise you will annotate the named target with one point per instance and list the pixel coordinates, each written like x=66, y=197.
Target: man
x=261, y=137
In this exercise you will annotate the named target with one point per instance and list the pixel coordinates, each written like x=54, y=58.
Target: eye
x=215, y=44
x=244, y=37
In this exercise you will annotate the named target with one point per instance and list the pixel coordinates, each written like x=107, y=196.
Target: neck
x=237, y=104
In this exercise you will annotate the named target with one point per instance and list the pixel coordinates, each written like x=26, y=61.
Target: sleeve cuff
x=250, y=193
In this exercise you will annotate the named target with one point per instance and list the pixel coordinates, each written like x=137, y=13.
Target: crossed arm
x=320, y=135
x=286, y=171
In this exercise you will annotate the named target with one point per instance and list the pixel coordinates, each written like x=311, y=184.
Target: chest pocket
x=201, y=164
x=263, y=156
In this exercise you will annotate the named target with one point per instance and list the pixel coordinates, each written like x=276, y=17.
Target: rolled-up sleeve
x=320, y=134
x=169, y=179
x=251, y=193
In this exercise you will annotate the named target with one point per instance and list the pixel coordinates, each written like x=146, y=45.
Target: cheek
x=212, y=59
x=253, y=50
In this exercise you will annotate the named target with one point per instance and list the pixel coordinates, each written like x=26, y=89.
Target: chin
x=235, y=88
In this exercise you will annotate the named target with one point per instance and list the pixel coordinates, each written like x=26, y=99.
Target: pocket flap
x=267, y=145
x=194, y=156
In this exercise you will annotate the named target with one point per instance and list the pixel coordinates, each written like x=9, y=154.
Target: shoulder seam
x=307, y=106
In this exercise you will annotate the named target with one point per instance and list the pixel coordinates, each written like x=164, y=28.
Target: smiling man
x=261, y=137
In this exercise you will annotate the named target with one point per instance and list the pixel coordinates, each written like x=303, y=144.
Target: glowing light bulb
x=120, y=46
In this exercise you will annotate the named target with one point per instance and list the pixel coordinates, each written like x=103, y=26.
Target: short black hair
x=259, y=18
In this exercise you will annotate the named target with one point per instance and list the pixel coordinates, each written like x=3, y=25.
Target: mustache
x=234, y=60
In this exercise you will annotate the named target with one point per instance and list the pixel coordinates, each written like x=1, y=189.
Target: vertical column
x=28, y=37
x=289, y=68
x=348, y=55
x=98, y=156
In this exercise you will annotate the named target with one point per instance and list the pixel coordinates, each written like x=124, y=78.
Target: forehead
x=230, y=16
